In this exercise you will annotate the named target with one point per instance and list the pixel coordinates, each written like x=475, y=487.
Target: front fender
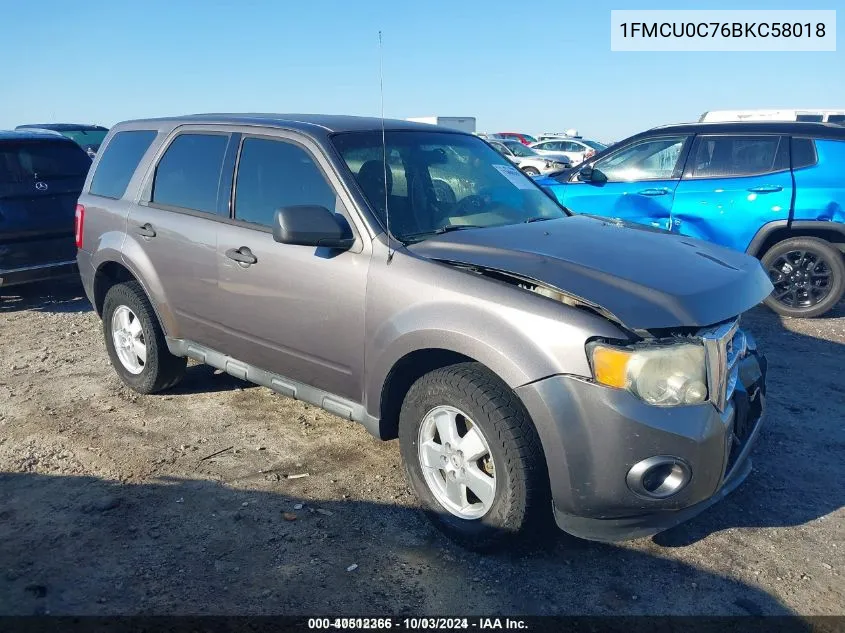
x=517, y=345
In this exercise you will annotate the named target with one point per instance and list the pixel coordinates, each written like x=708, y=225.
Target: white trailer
x=462, y=123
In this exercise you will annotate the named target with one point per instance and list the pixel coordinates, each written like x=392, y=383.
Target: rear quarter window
x=803, y=153
x=119, y=161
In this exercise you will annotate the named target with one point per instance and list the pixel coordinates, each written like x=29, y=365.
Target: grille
x=724, y=345
x=736, y=348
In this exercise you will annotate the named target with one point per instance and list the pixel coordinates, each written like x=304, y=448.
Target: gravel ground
x=181, y=503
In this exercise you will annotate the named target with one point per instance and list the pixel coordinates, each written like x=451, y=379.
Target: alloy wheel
x=802, y=278
x=128, y=338
x=457, y=463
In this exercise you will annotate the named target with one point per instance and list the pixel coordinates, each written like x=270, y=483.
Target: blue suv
x=775, y=190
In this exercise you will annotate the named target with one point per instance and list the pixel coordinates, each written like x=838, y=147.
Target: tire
x=821, y=286
x=521, y=502
x=160, y=369
x=531, y=171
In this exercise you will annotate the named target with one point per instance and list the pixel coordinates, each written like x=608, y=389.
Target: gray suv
x=530, y=362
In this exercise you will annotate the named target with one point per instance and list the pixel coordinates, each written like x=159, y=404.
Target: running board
x=336, y=405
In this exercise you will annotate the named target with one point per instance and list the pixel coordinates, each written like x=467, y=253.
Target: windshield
x=595, y=145
x=88, y=139
x=518, y=149
x=437, y=180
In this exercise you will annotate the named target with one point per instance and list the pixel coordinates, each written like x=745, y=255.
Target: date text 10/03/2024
x=418, y=624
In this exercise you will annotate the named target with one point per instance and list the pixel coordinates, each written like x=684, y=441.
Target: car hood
x=647, y=278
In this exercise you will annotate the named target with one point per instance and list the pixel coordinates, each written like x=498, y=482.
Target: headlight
x=665, y=376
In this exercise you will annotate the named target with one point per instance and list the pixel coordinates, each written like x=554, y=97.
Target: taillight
x=78, y=223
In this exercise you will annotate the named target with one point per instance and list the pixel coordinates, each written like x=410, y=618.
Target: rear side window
x=731, y=156
x=32, y=161
x=273, y=174
x=188, y=175
x=803, y=153
x=119, y=161
x=836, y=118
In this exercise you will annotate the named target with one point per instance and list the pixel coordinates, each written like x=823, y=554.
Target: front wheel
x=473, y=456
x=808, y=275
x=531, y=171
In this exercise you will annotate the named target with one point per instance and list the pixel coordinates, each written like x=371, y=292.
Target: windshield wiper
x=448, y=228
x=537, y=219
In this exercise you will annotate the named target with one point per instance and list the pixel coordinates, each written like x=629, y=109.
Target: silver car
x=527, y=159
x=577, y=150
x=531, y=363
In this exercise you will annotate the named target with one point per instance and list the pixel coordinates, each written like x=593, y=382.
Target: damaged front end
x=537, y=287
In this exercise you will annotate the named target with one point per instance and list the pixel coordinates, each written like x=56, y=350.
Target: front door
x=297, y=311
x=640, y=182
x=733, y=185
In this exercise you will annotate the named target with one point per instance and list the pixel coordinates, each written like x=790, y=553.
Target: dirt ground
x=114, y=503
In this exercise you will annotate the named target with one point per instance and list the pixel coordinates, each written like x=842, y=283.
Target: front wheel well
x=405, y=373
x=107, y=275
x=784, y=233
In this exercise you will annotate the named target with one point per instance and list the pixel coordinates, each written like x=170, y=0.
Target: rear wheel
x=808, y=275
x=135, y=341
x=473, y=456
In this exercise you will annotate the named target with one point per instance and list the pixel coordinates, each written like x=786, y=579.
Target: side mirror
x=590, y=174
x=311, y=225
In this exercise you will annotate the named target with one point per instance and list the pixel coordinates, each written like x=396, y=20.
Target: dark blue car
x=41, y=177
x=775, y=190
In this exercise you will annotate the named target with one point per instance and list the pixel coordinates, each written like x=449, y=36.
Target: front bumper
x=593, y=435
x=38, y=272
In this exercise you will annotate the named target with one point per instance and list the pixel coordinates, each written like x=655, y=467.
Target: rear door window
x=734, y=156
x=119, y=161
x=41, y=160
x=188, y=174
x=274, y=174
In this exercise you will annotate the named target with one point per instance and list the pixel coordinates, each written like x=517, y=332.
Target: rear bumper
x=39, y=272
x=592, y=437
x=86, y=274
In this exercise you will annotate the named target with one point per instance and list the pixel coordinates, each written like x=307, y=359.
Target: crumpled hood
x=646, y=277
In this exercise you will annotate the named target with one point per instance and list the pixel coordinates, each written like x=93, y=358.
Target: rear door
x=732, y=185
x=173, y=230
x=40, y=182
x=641, y=181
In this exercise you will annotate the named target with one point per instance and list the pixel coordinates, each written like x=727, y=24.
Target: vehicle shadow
x=66, y=295
x=799, y=473
x=83, y=545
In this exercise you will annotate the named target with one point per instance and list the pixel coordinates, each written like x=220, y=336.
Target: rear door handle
x=656, y=191
x=242, y=255
x=766, y=189
x=145, y=230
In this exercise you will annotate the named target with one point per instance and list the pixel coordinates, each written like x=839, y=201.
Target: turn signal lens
x=610, y=366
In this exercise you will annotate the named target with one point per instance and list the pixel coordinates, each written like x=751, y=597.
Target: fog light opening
x=658, y=477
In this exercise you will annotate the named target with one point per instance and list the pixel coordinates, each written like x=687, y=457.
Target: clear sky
x=525, y=66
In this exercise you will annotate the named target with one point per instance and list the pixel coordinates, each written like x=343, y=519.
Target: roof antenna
x=384, y=145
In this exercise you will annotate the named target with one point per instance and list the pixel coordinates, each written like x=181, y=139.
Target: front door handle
x=766, y=189
x=145, y=230
x=655, y=191
x=242, y=255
